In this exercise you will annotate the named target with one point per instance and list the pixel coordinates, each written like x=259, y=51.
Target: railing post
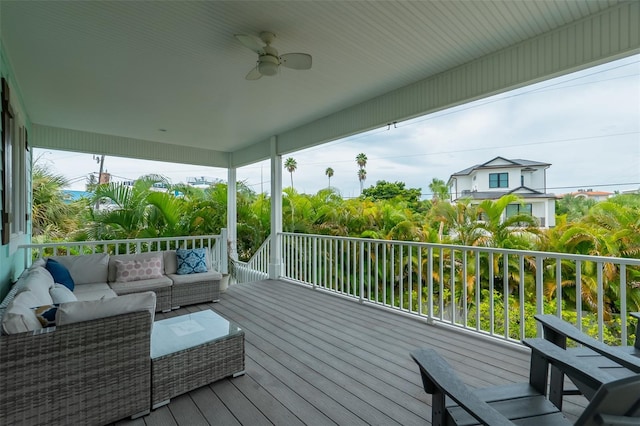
x=315, y=262
x=430, y=283
x=539, y=291
x=600, y=307
x=623, y=302
x=222, y=252
x=361, y=272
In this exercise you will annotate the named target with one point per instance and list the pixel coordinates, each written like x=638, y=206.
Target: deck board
x=318, y=359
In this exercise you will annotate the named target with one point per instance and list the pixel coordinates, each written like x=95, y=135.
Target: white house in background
x=590, y=194
x=501, y=176
x=202, y=182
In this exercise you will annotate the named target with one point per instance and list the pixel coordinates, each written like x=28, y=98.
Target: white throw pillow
x=61, y=294
x=19, y=317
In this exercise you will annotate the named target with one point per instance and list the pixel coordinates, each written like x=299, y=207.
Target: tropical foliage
x=386, y=211
x=52, y=217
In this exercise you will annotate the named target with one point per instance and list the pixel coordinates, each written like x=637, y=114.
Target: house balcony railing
x=217, y=250
x=490, y=291
x=465, y=286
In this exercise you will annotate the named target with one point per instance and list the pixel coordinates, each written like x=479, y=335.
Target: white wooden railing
x=218, y=251
x=445, y=283
x=451, y=284
x=257, y=268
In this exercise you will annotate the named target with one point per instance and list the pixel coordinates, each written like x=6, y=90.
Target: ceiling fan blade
x=254, y=74
x=296, y=61
x=251, y=42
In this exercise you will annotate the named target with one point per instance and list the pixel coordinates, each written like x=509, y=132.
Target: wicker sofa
x=94, y=368
x=91, y=364
x=96, y=275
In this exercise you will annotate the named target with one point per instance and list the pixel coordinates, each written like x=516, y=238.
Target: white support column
x=275, y=257
x=232, y=216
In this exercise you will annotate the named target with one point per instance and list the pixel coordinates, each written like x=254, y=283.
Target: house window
x=514, y=209
x=498, y=180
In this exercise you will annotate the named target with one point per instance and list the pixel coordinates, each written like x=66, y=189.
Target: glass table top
x=189, y=330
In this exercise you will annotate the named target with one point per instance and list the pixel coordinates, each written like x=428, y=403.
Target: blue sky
x=586, y=124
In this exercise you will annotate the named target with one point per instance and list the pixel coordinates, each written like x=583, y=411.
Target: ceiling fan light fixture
x=269, y=60
x=268, y=65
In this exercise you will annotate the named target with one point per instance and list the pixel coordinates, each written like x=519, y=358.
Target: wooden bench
x=453, y=403
x=619, y=361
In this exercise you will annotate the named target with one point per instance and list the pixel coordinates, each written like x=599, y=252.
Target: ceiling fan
x=268, y=59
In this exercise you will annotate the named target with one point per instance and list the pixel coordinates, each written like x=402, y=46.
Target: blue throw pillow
x=46, y=314
x=191, y=261
x=60, y=274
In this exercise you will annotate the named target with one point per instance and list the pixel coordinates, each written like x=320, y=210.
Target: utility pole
x=101, y=161
x=101, y=168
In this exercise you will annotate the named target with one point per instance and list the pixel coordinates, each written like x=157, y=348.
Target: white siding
x=535, y=180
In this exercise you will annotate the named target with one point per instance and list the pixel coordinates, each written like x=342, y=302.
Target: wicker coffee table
x=193, y=350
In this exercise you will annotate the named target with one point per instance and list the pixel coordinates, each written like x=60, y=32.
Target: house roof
x=166, y=80
x=510, y=163
x=521, y=191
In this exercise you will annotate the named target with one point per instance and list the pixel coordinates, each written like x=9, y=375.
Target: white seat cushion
x=194, y=278
x=141, y=285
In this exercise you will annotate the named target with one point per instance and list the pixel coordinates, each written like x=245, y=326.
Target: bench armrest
x=570, y=365
x=438, y=377
x=554, y=327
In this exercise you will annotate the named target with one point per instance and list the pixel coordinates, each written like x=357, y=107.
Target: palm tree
x=361, y=160
x=439, y=190
x=52, y=217
x=138, y=212
x=362, y=176
x=518, y=231
x=329, y=173
x=291, y=165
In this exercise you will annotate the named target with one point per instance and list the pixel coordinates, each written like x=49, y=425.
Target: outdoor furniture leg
x=556, y=388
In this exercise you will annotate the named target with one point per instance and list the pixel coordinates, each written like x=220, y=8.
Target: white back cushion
x=86, y=268
x=72, y=312
x=39, y=281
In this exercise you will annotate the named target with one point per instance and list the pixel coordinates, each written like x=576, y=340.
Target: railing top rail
x=126, y=241
x=265, y=243
x=539, y=254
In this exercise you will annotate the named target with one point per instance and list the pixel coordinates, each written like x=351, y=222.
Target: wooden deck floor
x=317, y=359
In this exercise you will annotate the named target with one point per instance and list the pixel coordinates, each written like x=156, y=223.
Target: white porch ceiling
x=130, y=68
